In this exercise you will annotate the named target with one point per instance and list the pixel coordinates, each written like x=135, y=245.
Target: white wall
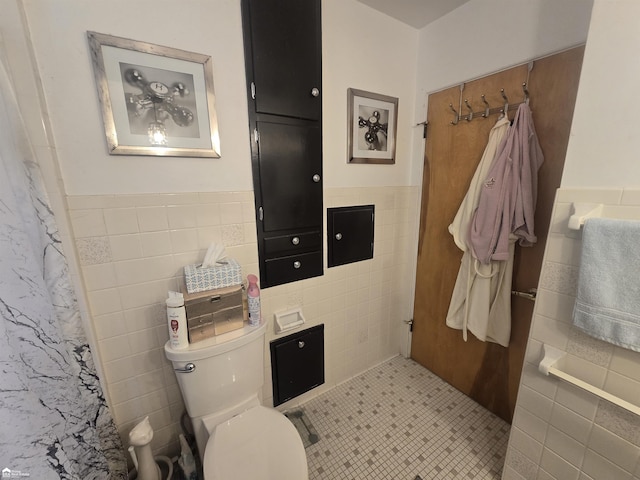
x=367, y=50
x=485, y=36
x=357, y=43
x=604, y=144
x=58, y=31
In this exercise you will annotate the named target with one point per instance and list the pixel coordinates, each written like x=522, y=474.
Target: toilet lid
x=258, y=444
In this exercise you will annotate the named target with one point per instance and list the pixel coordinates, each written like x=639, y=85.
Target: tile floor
x=398, y=421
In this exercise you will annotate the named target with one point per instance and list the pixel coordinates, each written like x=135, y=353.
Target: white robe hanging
x=481, y=299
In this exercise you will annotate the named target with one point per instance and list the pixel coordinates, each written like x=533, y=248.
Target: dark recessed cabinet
x=283, y=54
x=297, y=363
x=350, y=234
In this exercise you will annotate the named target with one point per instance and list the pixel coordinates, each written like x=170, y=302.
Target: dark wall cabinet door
x=286, y=65
x=297, y=363
x=290, y=159
x=284, y=75
x=350, y=234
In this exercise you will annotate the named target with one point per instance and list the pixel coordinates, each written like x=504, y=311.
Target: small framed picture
x=372, y=123
x=155, y=100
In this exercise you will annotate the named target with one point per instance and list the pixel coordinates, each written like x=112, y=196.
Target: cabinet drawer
x=211, y=301
x=291, y=243
x=294, y=267
x=223, y=321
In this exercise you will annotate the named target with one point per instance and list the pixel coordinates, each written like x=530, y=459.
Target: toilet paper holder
x=288, y=319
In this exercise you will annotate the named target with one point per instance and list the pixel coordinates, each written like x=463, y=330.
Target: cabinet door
x=297, y=363
x=350, y=234
x=286, y=55
x=290, y=161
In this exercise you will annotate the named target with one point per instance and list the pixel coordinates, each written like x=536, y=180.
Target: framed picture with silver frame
x=155, y=100
x=372, y=124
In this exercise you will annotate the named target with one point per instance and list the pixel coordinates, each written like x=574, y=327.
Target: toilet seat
x=258, y=444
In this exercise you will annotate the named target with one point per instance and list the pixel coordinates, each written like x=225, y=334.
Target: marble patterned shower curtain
x=54, y=422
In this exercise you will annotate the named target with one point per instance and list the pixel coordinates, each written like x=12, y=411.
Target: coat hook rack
x=488, y=110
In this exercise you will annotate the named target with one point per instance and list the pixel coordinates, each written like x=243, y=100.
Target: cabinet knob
x=315, y=92
x=338, y=236
x=295, y=240
x=300, y=344
x=316, y=178
x=297, y=264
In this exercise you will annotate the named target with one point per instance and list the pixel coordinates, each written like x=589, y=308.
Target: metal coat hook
x=470, y=116
x=506, y=101
x=487, y=107
x=526, y=92
x=457, y=116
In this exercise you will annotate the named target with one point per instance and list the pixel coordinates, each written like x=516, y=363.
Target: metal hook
x=469, y=117
x=486, y=110
x=526, y=92
x=506, y=101
x=457, y=116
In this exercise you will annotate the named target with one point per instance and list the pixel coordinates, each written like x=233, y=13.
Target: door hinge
x=410, y=323
x=256, y=135
x=253, y=90
x=424, y=131
x=260, y=214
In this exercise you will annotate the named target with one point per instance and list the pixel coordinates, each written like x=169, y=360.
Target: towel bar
x=547, y=366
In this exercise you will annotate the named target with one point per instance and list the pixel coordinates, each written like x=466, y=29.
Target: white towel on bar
x=608, y=302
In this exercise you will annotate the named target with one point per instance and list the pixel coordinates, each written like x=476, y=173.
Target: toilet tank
x=229, y=369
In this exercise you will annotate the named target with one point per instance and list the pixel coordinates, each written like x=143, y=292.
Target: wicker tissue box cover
x=199, y=279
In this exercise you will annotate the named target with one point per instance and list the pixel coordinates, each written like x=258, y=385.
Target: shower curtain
x=54, y=422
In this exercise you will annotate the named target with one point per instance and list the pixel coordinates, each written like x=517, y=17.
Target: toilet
x=237, y=437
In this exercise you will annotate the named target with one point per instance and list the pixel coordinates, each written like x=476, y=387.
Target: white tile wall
x=559, y=431
x=132, y=249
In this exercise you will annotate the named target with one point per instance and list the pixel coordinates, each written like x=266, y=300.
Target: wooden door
x=487, y=372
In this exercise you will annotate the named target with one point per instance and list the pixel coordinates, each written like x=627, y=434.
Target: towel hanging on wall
x=608, y=302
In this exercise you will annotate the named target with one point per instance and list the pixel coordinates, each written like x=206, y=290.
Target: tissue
x=216, y=271
x=215, y=254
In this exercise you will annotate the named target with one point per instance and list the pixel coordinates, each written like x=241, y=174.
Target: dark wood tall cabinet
x=283, y=59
